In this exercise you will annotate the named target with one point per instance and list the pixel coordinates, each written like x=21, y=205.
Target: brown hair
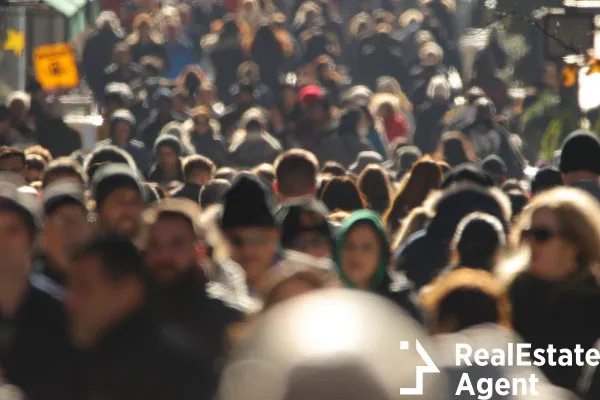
x=196, y=161
x=342, y=194
x=425, y=176
x=374, y=183
x=9, y=152
x=464, y=298
x=60, y=167
x=450, y=143
x=296, y=172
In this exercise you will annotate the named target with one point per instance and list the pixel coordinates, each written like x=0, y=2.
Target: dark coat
x=115, y=73
x=140, y=359
x=33, y=342
x=209, y=145
x=58, y=137
x=429, y=118
x=137, y=150
x=226, y=56
x=188, y=191
x=97, y=55
x=544, y=314
x=254, y=149
x=151, y=127
x=140, y=50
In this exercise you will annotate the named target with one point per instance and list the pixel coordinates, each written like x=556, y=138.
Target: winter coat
x=58, y=137
x=430, y=126
x=34, y=343
x=140, y=358
x=151, y=127
x=391, y=285
x=545, y=313
x=254, y=148
x=210, y=145
x=97, y=55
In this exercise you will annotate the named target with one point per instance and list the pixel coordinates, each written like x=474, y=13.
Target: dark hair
x=342, y=194
x=468, y=307
x=62, y=166
x=213, y=192
x=195, y=162
x=333, y=168
x=4, y=113
x=374, y=184
x=546, y=178
x=455, y=148
x=9, y=152
x=425, y=176
x=226, y=173
x=296, y=172
x=477, y=239
x=118, y=256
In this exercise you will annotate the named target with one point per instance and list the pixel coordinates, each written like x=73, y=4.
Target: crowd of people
x=254, y=151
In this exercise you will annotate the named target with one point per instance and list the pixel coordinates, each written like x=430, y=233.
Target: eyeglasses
x=257, y=239
x=540, y=235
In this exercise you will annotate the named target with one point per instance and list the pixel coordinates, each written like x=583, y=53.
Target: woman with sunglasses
x=557, y=295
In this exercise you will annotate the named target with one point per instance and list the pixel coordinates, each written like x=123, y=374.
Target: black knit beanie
x=168, y=140
x=113, y=177
x=246, y=204
x=580, y=152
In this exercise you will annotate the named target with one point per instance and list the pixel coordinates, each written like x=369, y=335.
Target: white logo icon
x=428, y=368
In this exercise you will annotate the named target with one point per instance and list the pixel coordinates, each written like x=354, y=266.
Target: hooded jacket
x=135, y=148
x=391, y=285
x=210, y=144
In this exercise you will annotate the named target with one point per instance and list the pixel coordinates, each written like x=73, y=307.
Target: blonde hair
x=578, y=216
x=390, y=86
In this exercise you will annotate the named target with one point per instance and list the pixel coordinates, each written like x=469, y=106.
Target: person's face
x=254, y=249
x=94, y=301
x=33, y=174
x=144, y=33
x=201, y=126
x=199, y=177
x=290, y=289
x=316, y=112
x=167, y=158
x=550, y=77
x=18, y=110
x=111, y=106
x=552, y=257
x=245, y=99
x=4, y=126
x=179, y=104
x=13, y=164
x=122, y=132
x=121, y=212
x=289, y=97
x=172, y=249
x=15, y=245
x=65, y=230
x=164, y=106
x=314, y=244
x=361, y=253
x=173, y=33
x=124, y=58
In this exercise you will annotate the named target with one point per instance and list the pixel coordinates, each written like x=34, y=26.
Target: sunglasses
x=540, y=235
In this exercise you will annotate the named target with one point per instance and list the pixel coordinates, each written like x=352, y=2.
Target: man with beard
x=32, y=326
x=174, y=254
x=66, y=227
x=119, y=200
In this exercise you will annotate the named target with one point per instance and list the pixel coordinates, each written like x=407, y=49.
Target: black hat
x=246, y=204
x=580, y=152
x=305, y=215
x=494, y=165
x=62, y=193
x=112, y=177
x=15, y=199
x=546, y=178
x=169, y=141
x=406, y=157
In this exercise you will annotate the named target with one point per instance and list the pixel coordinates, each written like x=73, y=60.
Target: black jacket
x=33, y=343
x=140, y=359
x=151, y=127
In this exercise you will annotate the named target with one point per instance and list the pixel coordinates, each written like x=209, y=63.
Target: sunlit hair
x=414, y=222
x=390, y=86
x=455, y=148
x=138, y=22
x=425, y=177
x=409, y=17
x=578, y=216
x=361, y=24
x=464, y=298
x=21, y=96
x=304, y=10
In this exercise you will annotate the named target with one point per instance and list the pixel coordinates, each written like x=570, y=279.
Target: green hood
x=372, y=218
